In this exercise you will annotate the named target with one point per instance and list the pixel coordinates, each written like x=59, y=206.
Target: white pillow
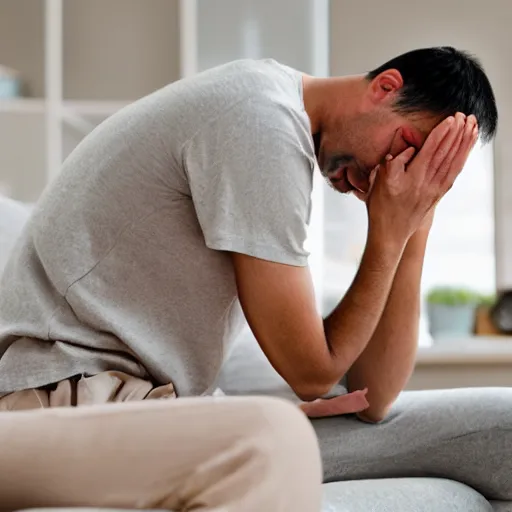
x=13, y=216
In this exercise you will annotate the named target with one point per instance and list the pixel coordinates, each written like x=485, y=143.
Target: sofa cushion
x=13, y=216
x=391, y=495
x=501, y=506
x=403, y=495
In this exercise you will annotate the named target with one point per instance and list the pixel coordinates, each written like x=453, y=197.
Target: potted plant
x=451, y=311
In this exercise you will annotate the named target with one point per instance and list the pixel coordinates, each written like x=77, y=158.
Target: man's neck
x=325, y=97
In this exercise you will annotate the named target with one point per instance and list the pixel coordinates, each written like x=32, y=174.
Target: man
x=128, y=279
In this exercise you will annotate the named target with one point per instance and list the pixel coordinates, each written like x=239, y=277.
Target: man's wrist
x=384, y=247
x=426, y=225
x=417, y=244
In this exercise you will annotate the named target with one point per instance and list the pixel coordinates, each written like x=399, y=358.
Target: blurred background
x=66, y=65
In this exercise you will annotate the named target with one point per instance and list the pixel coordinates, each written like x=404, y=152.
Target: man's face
x=347, y=152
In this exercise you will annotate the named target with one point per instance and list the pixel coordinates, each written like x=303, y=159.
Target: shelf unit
x=23, y=106
x=84, y=107
x=80, y=62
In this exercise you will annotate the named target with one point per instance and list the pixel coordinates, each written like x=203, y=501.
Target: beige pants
x=204, y=454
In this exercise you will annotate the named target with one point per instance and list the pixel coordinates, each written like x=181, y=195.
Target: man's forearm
x=386, y=364
x=349, y=328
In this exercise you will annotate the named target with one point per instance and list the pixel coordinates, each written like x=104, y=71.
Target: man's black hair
x=444, y=81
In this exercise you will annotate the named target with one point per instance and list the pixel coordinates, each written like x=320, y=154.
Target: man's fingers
x=457, y=164
x=434, y=139
x=467, y=142
x=451, y=140
x=466, y=125
x=458, y=145
x=404, y=157
x=372, y=177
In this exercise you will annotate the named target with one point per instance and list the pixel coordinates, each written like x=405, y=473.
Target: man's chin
x=360, y=195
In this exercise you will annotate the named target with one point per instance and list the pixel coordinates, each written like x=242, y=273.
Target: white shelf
x=23, y=105
x=493, y=350
x=82, y=108
x=94, y=108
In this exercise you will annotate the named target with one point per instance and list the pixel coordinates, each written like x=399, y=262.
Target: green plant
x=487, y=300
x=451, y=296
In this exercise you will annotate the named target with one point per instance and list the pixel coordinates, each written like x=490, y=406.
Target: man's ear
x=385, y=86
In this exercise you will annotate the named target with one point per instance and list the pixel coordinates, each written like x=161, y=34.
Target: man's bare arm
x=279, y=304
x=387, y=362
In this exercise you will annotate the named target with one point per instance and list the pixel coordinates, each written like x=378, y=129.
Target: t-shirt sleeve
x=250, y=176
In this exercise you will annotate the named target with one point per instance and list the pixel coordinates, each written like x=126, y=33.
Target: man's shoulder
x=266, y=71
x=248, y=84
x=259, y=96
x=267, y=80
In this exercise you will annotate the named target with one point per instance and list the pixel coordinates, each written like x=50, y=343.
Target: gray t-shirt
x=124, y=263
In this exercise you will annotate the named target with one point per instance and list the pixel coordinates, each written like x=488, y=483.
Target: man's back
x=123, y=265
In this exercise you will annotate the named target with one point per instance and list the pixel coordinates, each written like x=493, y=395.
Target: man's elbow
x=374, y=414
x=309, y=391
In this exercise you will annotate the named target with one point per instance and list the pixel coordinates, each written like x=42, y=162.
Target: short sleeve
x=250, y=176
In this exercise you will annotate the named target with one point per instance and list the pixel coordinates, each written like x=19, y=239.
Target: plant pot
x=10, y=86
x=451, y=321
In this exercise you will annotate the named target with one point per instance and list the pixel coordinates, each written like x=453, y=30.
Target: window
x=460, y=251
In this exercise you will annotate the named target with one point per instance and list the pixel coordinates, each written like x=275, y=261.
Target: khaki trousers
x=204, y=454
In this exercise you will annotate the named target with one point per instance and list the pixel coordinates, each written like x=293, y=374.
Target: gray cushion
x=13, y=216
x=393, y=495
x=403, y=495
x=502, y=506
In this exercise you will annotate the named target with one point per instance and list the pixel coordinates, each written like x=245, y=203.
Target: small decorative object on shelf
x=10, y=83
x=452, y=311
x=501, y=313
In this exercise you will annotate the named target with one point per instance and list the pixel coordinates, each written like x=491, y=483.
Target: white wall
x=366, y=33
x=119, y=49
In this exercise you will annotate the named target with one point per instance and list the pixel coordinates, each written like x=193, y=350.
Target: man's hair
x=443, y=80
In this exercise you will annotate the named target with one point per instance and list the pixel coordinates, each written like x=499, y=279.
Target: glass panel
x=461, y=244
x=234, y=29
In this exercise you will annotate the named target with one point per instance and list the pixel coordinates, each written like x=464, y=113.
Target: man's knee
x=284, y=434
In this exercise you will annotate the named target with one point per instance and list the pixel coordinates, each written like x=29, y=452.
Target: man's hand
x=351, y=403
x=404, y=190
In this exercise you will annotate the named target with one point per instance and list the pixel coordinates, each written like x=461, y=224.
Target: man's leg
x=250, y=454
x=460, y=434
